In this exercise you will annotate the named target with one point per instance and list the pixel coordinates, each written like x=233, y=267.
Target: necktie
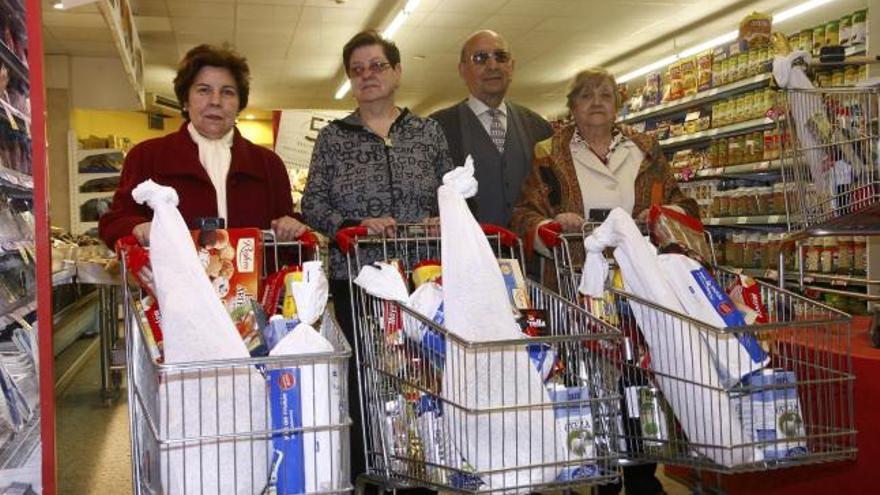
x=496, y=129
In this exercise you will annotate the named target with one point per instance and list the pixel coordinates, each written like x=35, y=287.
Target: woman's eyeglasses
x=482, y=58
x=374, y=68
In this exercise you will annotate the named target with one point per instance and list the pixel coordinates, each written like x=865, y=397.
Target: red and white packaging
x=745, y=293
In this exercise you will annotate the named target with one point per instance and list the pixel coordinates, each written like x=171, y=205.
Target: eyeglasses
x=482, y=58
x=374, y=67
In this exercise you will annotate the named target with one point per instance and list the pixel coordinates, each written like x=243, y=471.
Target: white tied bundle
x=477, y=309
x=220, y=401
x=678, y=349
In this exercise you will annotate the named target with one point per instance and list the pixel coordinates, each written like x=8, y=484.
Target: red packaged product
x=746, y=296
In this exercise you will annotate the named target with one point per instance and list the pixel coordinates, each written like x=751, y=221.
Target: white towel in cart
x=477, y=308
x=208, y=402
x=678, y=349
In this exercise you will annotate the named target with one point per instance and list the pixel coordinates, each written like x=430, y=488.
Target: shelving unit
x=78, y=178
x=21, y=433
x=700, y=98
x=731, y=170
x=746, y=220
x=718, y=132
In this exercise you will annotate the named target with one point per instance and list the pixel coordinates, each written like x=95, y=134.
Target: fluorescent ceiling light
x=719, y=40
x=58, y=5
x=346, y=85
x=388, y=33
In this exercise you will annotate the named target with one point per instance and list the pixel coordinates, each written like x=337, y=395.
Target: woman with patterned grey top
x=377, y=167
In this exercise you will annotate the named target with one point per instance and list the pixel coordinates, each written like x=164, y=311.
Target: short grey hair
x=591, y=77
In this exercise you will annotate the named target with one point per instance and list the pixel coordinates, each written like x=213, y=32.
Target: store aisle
x=93, y=449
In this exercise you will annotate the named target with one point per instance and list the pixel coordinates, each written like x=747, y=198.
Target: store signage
x=297, y=132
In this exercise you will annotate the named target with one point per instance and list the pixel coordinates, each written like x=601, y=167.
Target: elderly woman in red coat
x=216, y=171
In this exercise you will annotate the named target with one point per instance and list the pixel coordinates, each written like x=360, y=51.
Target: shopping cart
x=212, y=426
x=439, y=410
x=829, y=160
x=679, y=413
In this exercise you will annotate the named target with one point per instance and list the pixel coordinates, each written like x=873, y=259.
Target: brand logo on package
x=286, y=381
x=245, y=254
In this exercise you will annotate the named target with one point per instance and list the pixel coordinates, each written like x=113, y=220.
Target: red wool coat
x=257, y=187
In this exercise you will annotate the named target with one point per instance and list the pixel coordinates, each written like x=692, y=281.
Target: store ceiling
x=294, y=46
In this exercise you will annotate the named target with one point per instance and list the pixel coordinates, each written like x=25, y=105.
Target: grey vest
x=500, y=176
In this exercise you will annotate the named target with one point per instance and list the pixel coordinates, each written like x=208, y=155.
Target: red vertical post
x=41, y=239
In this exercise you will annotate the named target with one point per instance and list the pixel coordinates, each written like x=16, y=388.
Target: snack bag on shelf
x=689, y=77
x=676, y=83
x=704, y=71
x=754, y=30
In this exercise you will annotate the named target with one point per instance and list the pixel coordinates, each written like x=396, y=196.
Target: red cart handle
x=346, y=237
x=507, y=237
x=308, y=239
x=550, y=234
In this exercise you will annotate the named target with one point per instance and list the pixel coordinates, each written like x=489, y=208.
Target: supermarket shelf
x=64, y=276
x=14, y=111
x=92, y=195
x=748, y=125
x=699, y=98
x=12, y=61
x=747, y=220
x=744, y=168
x=863, y=222
x=18, y=449
x=85, y=176
x=831, y=279
x=83, y=153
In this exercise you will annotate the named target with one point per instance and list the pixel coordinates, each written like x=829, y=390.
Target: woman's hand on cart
x=380, y=225
x=141, y=232
x=570, y=222
x=287, y=228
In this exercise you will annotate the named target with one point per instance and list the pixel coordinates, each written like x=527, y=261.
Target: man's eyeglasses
x=482, y=58
x=374, y=68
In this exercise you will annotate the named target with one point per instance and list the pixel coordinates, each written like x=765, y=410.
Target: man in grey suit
x=499, y=134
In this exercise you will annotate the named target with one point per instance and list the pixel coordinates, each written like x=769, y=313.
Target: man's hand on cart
x=141, y=232
x=380, y=225
x=433, y=225
x=287, y=228
x=571, y=222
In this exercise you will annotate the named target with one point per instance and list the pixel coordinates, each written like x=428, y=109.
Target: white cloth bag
x=678, y=349
x=218, y=401
x=477, y=309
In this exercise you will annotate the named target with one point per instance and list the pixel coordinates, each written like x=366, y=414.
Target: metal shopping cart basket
x=829, y=160
x=216, y=426
x=467, y=417
x=797, y=410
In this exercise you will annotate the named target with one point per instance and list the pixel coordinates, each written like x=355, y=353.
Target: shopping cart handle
x=346, y=237
x=308, y=239
x=507, y=237
x=124, y=243
x=550, y=234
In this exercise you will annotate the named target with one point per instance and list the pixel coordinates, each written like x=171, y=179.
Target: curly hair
x=209, y=55
x=592, y=78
